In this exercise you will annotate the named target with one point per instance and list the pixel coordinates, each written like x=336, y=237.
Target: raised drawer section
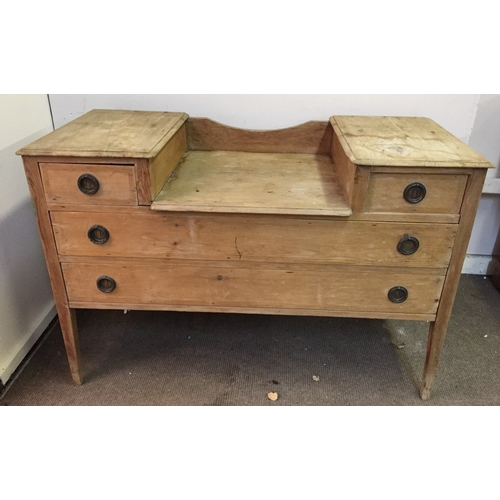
x=212, y=284
x=243, y=238
x=89, y=184
x=415, y=193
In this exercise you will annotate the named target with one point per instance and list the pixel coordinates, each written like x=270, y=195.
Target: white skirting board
x=23, y=347
x=478, y=264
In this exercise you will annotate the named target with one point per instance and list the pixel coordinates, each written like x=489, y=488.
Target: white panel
x=485, y=139
x=26, y=301
x=456, y=113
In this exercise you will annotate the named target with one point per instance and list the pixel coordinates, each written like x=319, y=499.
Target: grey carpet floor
x=199, y=359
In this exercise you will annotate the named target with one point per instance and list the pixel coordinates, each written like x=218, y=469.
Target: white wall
x=267, y=111
x=485, y=138
x=26, y=301
x=473, y=118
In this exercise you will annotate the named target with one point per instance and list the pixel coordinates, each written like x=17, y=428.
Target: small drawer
x=355, y=289
x=89, y=184
x=415, y=193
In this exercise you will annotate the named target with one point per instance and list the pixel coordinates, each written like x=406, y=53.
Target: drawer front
x=252, y=239
x=209, y=284
x=415, y=193
x=76, y=183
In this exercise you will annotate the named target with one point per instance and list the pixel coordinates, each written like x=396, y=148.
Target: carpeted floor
x=170, y=358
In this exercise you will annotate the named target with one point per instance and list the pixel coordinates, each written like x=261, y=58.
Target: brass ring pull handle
x=414, y=192
x=98, y=235
x=106, y=284
x=88, y=184
x=408, y=245
x=398, y=294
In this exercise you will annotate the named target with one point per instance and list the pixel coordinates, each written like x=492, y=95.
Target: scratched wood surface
x=117, y=184
x=272, y=183
x=252, y=239
x=110, y=133
x=314, y=137
x=403, y=141
x=263, y=285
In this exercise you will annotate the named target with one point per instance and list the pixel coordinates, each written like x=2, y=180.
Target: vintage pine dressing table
x=365, y=217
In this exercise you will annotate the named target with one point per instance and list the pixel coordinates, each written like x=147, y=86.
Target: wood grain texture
x=164, y=163
x=222, y=284
x=444, y=193
x=110, y=133
x=66, y=315
x=314, y=137
x=354, y=179
x=117, y=184
x=387, y=217
x=254, y=239
x=143, y=182
x=254, y=310
x=403, y=141
x=438, y=328
x=268, y=183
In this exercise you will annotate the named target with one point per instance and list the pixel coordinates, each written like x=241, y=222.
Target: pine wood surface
x=444, y=193
x=66, y=315
x=403, y=141
x=236, y=182
x=255, y=285
x=438, y=328
x=313, y=137
x=110, y=133
x=117, y=184
x=258, y=238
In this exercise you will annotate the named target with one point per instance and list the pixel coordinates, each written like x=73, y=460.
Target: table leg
x=67, y=321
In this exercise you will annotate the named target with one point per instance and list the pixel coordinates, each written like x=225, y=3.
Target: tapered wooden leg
x=437, y=331
x=67, y=316
x=67, y=320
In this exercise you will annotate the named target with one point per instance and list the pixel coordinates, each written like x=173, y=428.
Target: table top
x=110, y=133
x=398, y=141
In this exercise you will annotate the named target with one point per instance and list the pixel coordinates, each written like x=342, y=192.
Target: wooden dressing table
x=356, y=216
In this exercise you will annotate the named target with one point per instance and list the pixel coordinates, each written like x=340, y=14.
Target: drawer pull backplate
x=414, y=192
x=88, y=184
x=106, y=284
x=98, y=235
x=408, y=245
x=398, y=294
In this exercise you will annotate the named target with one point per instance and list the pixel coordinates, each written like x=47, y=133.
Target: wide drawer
x=415, y=193
x=219, y=284
x=89, y=184
x=258, y=238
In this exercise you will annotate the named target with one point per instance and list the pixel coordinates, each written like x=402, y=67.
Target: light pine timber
x=354, y=179
x=117, y=185
x=67, y=317
x=257, y=238
x=403, y=141
x=143, y=183
x=372, y=217
x=267, y=183
x=164, y=163
x=314, y=137
x=444, y=193
x=257, y=285
x=110, y=133
x=254, y=310
x=439, y=327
